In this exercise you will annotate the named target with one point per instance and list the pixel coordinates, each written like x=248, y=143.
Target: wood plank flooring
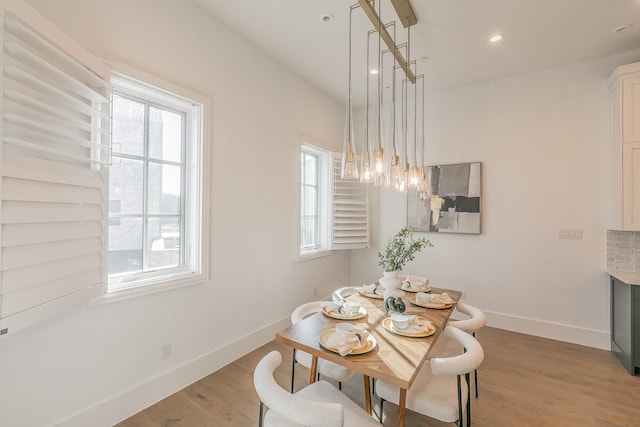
x=524, y=381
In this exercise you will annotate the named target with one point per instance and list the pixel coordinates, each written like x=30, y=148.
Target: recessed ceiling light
x=373, y=71
x=495, y=38
x=326, y=18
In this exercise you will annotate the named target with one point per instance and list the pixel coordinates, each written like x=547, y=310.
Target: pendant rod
x=370, y=11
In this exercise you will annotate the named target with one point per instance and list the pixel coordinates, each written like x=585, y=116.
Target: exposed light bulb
x=495, y=38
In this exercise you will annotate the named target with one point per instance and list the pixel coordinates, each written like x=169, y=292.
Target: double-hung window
x=333, y=212
x=314, y=201
x=155, y=188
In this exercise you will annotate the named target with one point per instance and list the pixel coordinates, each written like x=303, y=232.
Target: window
x=314, y=201
x=156, y=216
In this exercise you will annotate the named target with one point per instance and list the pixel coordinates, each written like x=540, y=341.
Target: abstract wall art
x=452, y=203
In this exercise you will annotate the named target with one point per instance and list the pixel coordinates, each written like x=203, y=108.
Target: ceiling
x=452, y=34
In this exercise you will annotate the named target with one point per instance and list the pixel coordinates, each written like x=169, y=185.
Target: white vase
x=391, y=284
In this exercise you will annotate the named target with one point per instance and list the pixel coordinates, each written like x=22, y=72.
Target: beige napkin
x=371, y=289
x=417, y=325
x=346, y=342
x=414, y=281
x=424, y=298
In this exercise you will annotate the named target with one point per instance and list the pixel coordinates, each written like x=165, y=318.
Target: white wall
x=94, y=366
x=542, y=138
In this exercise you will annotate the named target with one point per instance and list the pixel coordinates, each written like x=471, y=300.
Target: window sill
x=147, y=288
x=313, y=254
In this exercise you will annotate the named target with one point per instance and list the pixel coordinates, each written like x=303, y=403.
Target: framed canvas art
x=452, y=203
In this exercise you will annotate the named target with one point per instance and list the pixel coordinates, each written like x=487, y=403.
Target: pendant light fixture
x=349, y=168
x=403, y=164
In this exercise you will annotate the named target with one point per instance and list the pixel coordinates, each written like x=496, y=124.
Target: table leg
x=314, y=370
x=402, y=407
x=367, y=394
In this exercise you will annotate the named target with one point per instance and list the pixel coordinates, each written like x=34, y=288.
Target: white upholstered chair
x=318, y=405
x=341, y=294
x=475, y=320
x=438, y=391
x=325, y=368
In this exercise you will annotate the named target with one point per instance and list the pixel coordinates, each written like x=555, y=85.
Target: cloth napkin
x=417, y=325
x=424, y=298
x=346, y=342
x=414, y=281
x=372, y=289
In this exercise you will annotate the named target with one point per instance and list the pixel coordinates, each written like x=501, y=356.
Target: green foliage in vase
x=401, y=249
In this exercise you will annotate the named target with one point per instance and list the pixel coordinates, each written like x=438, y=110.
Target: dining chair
x=317, y=405
x=341, y=294
x=475, y=321
x=439, y=392
x=324, y=367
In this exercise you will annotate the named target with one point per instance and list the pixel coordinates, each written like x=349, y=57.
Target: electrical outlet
x=464, y=295
x=575, y=234
x=165, y=351
x=315, y=292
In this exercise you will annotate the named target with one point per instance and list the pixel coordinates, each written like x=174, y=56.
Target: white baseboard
x=129, y=402
x=556, y=331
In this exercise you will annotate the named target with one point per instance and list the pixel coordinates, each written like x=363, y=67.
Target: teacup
x=352, y=307
x=400, y=321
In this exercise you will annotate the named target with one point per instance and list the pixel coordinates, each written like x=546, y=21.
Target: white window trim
x=325, y=202
x=165, y=281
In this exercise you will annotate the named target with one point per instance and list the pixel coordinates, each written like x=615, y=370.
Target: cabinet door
x=631, y=109
x=631, y=186
x=621, y=344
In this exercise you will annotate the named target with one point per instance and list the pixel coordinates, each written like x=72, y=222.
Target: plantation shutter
x=54, y=182
x=350, y=228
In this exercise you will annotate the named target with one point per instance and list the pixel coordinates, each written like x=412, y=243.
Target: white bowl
x=400, y=321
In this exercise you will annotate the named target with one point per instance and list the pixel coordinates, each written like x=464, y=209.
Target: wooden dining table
x=395, y=359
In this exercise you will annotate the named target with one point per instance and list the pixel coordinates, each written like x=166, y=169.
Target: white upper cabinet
x=624, y=86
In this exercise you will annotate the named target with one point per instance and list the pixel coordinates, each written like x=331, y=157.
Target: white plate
x=330, y=311
x=421, y=288
x=413, y=300
x=364, y=293
x=366, y=348
x=388, y=325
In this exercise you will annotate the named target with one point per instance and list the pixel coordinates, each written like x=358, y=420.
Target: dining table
x=395, y=358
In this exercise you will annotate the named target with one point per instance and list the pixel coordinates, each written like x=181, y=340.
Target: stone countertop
x=625, y=276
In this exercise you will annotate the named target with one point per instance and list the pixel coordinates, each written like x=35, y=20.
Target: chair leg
x=380, y=409
x=475, y=380
x=459, y=402
x=260, y=422
x=475, y=373
x=293, y=369
x=468, y=379
x=340, y=385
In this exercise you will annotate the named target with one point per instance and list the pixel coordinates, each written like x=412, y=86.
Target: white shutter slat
x=53, y=178
x=15, y=302
x=350, y=211
x=28, y=234
x=22, y=278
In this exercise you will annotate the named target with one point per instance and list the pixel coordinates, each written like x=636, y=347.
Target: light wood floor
x=524, y=381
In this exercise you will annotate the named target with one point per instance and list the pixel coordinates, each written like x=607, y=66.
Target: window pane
x=125, y=246
x=309, y=201
x=310, y=169
x=126, y=184
x=308, y=232
x=163, y=243
x=127, y=126
x=165, y=184
x=165, y=135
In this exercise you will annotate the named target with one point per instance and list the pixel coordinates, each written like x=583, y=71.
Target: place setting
x=415, y=284
x=347, y=339
x=436, y=301
x=374, y=290
x=348, y=310
x=408, y=325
